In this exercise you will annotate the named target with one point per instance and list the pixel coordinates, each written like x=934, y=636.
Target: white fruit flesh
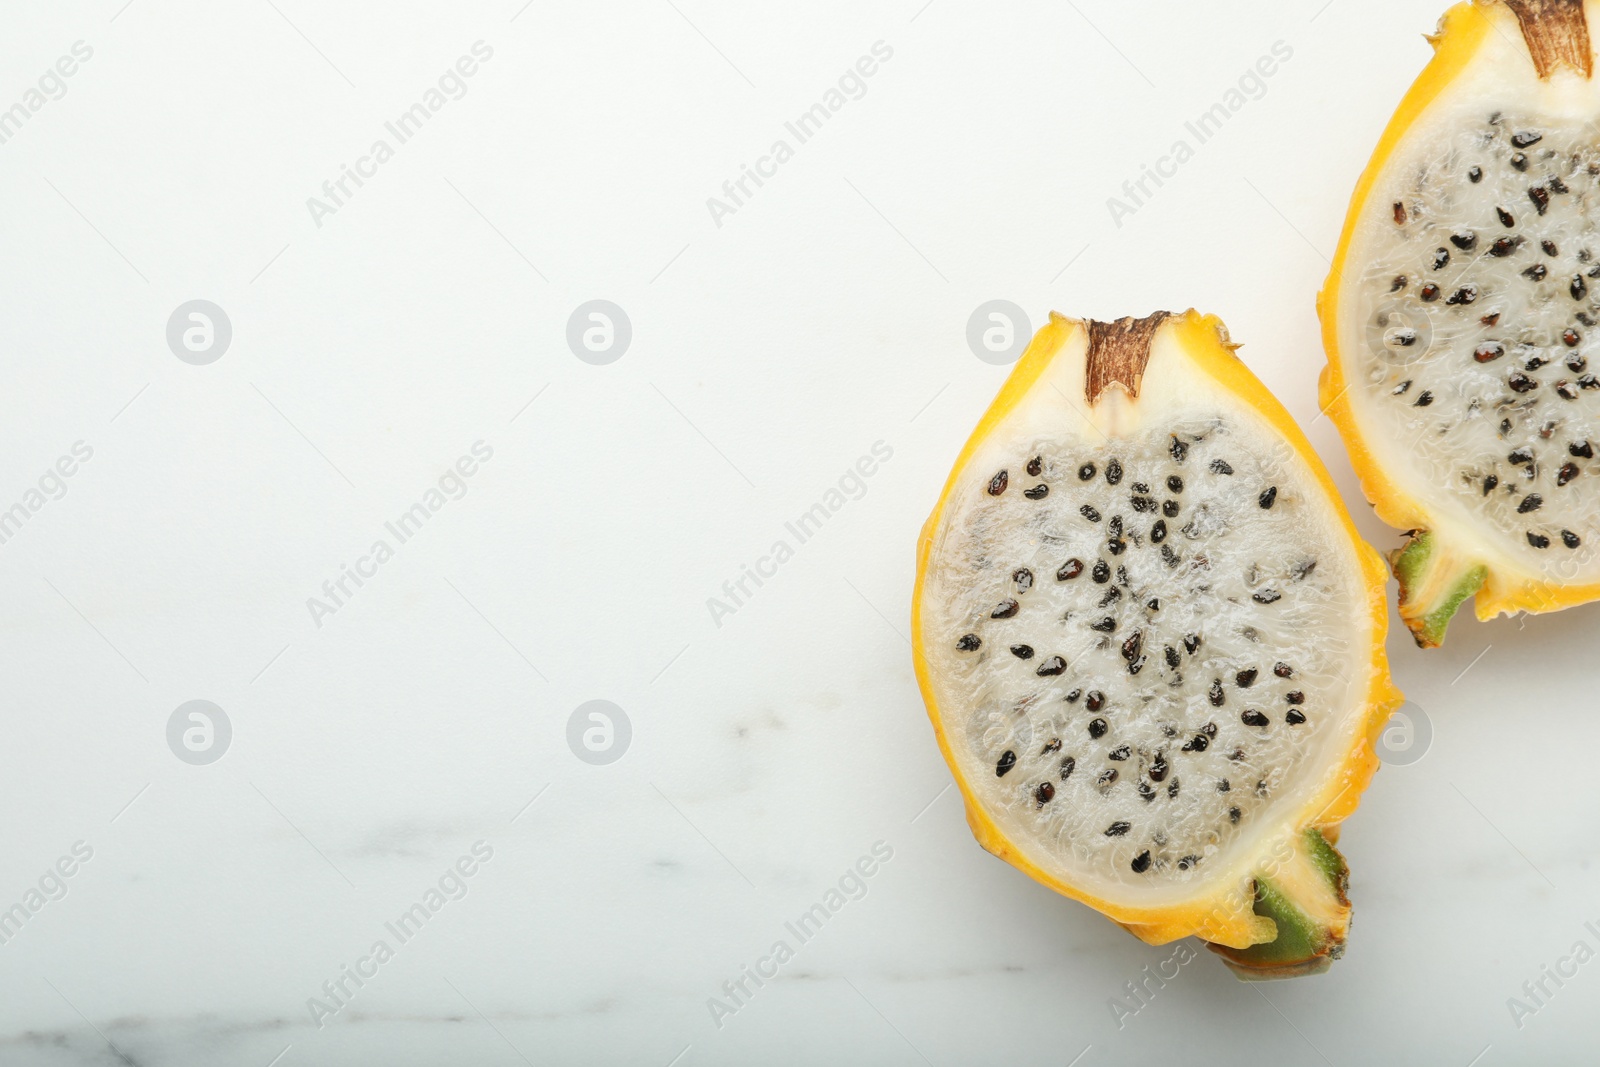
x=1499, y=450
x=1258, y=586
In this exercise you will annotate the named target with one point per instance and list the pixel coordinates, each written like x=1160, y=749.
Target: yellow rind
x=1226, y=917
x=1463, y=30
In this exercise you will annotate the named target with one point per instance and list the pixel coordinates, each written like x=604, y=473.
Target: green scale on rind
x=1305, y=944
x=1429, y=597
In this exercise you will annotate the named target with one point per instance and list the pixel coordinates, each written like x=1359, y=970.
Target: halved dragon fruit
x=1462, y=316
x=1151, y=643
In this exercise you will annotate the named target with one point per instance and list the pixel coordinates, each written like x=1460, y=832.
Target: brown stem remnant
x=1557, y=34
x=1118, y=352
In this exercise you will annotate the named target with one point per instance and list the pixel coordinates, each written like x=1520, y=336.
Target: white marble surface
x=771, y=748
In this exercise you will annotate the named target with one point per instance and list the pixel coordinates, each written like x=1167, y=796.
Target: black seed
x=1504, y=246
x=1005, y=609
x=1120, y=753
x=1101, y=573
x=1095, y=701
x=1519, y=161
x=1531, y=502
x=968, y=643
x=1197, y=743
x=1191, y=642
x=1399, y=213
x=1038, y=492
x=1534, y=362
x=1051, y=667
x=1153, y=604
x=1475, y=175
x=1174, y=483
x=1069, y=570
x=1024, y=579
x=1269, y=496
x=1117, y=829
x=997, y=484
x=1141, y=862
x=1143, y=503
x=1506, y=219
x=1266, y=596
x=1520, y=456
x=1086, y=472
x=1565, y=390
x=1068, y=765
x=1136, y=666
x=1588, y=381
x=1578, y=287
x=1464, y=295
x=1044, y=794
x=1252, y=717
x=1490, y=319
x=1429, y=292
x=1222, y=785
x=1187, y=861
x=1570, y=338
x=1570, y=539
x=1581, y=449
x=1022, y=651
x=1536, y=272
x=1557, y=186
x=1303, y=568
x=1178, y=449
x=1549, y=247
x=1465, y=240
x=1540, y=197
x=1489, y=483
x=1114, y=527
x=1107, y=777
x=1567, y=472
x=1131, y=647
x=1217, y=696
x=1008, y=760
x=1441, y=257
x=1538, y=540
x=1158, y=532
x=1525, y=139
x=1052, y=745
x=1294, y=717
x=1261, y=789
x=1140, y=487
x=1221, y=466
x=1246, y=678
x=1295, y=697
x=1089, y=513
x=1172, y=791
x=1072, y=697
x=1113, y=472
x=1170, y=509
x=1105, y=625
x=1521, y=383
x=1233, y=815
x=1035, y=465
x=1172, y=656
x=1158, y=768
x=1097, y=728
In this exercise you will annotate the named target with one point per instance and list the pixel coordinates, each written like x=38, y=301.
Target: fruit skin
x=1452, y=556
x=1230, y=916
